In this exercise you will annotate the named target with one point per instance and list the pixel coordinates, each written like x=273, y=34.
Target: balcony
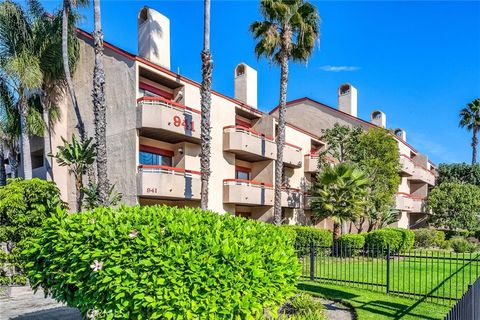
x=248, y=144
x=310, y=162
x=168, y=182
x=423, y=174
x=247, y=192
x=407, y=202
x=292, y=155
x=406, y=165
x=291, y=198
x=165, y=120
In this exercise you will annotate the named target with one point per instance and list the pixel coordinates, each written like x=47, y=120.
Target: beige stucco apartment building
x=153, y=136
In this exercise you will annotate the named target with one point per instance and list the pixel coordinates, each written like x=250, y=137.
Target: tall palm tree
x=21, y=67
x=470, y=119
x=289, y=32
x=206, y=99
x=68, y=37
x=77, y=156
x=339, y=194
x=99, y=107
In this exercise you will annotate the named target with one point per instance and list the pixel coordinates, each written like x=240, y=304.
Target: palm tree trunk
x=3, y=173
x=99, y=107
x=47, y=148
x=474, y=145
x=25, y=141
x=13, y=162
x=205, y=92
x=280, y=140
x=79, y=192
x=336, y=231
x=66, y=68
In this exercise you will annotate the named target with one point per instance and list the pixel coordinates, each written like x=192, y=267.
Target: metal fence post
x=388, y=268
x=312, y=262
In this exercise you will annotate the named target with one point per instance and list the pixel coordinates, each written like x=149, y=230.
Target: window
x=242, y=173
x=155, y=156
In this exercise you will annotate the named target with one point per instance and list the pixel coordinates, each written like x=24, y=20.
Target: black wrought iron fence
x=468, y=307
x=437, y=276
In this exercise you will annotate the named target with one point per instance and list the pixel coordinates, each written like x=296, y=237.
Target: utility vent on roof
x=379, y=118
x=347, y=99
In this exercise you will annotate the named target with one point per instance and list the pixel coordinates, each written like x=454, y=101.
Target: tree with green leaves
x=206, y=100
x=341, y=141
x=289, y=31
x=77, y=156
x=376, y=153
x=20, y=65
x=454, y=206
x=100, y=107
x=470, y=119
x=459, y=172
x=339, y=194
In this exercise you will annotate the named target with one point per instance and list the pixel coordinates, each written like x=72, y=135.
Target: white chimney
x=245, y=84
x=401, y=134
x=379, y=118
x=347, y=99
x=154, y=37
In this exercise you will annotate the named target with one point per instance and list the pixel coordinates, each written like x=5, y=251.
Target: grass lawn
x=371, y=305
x=433, y=274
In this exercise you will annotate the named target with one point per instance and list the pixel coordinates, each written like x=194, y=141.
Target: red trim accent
x=293, y=146
x=155, y=150
x=243, y=169
x=409, y=196
x=149, y=166
x=250, y=182
x=155, y=90
x=173, y=103
x=240, y=122
x=250, y=130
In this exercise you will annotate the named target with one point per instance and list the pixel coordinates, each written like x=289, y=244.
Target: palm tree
x=470, y=119
x=339, y=194
x=99, y=107
x=206, y=99
x=77, y=156
x=68, y=38
x=21, y=67
x=289, y=32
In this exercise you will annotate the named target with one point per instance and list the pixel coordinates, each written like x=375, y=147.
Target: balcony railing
x=406, y=165
x=407, y=202
x=247, y=192
x=292, y=155
x=163, y=114
x=291, y=197
x=168, y=182
x=248, y=144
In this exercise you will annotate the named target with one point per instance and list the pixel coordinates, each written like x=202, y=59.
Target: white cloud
x=339, y=68
x=433, y=149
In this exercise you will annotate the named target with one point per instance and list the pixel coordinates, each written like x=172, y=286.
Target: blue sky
x=419, y=62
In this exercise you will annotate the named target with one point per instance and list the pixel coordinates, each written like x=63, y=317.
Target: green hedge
x=429, y=238
x=399, y=239
x=305, y=235
x=461, y=245
x=353, y=241
x=163, y=262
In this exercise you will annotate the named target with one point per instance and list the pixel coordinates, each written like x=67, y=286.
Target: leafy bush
x=457, y=233
x=351, y=244
x=302, y=307
x=163, y=262
x=462, y=245
x=429, y=238
x=24, y=205
x=399, y=239
x=305, y=235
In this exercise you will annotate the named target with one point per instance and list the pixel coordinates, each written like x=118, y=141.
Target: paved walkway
x=24, y=305
x=336, y=311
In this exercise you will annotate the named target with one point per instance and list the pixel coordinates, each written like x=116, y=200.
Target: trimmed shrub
x=462, y=245
x=399, y=239
x=351, y=244
x=429, y=238
x=163, y=262
x=24, y=205
x=305, y=235
x=449, y=234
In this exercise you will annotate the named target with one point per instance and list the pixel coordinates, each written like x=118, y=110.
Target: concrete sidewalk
x=24, y=305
